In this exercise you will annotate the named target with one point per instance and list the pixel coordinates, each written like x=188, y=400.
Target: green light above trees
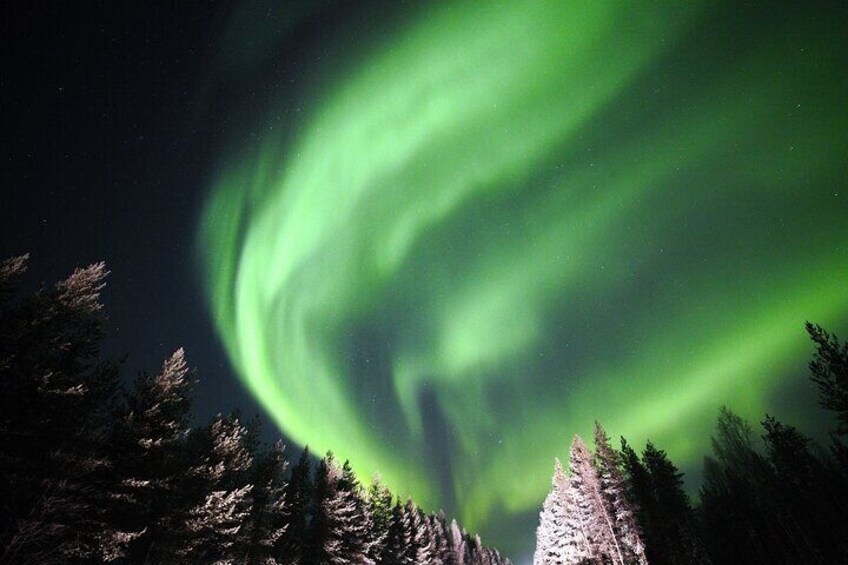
x=506, y=222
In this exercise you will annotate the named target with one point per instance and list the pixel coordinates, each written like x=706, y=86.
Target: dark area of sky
x=103, y=158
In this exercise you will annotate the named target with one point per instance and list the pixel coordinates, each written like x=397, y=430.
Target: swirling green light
x=511, y=220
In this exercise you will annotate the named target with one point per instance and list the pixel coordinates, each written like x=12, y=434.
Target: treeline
x=776, y=498
x=93, y=472
x=96, y=472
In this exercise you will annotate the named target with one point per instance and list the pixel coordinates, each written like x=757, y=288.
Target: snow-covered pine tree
x=614, y=490
x=393, y=549
x=56, y=400
x=215, y=530
x=411, y=525
x=640, y=492
x=497, y=559
x=150, y=465
x=270, y=512
x=578, y=545
x=482, y=555
x=425, y=540
x=342, y=521
x=563, y=533
x=587, y=511
x=392, y=545
x=360, y=525
x=479, y=554
x=551, y=533
x=442, y=538
x=459, y=544
x=300, y=498
x=379, y=502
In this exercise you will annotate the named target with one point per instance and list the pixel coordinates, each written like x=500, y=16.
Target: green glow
x=507, y=222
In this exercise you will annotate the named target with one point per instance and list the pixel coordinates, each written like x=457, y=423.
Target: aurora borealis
x=496, y=223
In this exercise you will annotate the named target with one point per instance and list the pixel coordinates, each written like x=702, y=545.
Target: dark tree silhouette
x=148, y=502
x=214, y=531
x=829, y=371
x=380, y=507
x=270, y=510
x=747, y=513
x=300, y=496
x=613, y=487
x=57, y=400
x=678, y=532
x=811, y=489
x=96, y=474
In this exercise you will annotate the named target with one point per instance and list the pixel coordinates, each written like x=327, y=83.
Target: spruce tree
x=215, y=529
x=56, y=402
x=641, y=495
x=379, y=501
x=554, y=540
x=301, y=498
x=590, y=506
x=625, y=525
x=149, y=502
x=442, y=537
x=587, y=517
x=342, y=523
x=829, y=372
x=411, y=525
x=479, y=554
x=677, y=533
x=425, y=540
x=459, y=544
x=807, y=489
x=395, y=545
x=739, y=482
x=270, y=510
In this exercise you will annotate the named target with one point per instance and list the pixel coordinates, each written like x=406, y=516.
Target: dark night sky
x=468, y=226
x=104, y=159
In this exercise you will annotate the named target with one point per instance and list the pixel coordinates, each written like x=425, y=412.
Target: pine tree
x=301, y=496
x=641, y=495
x=587, y=517
x=442, y=537
x=552, y=535
x=482, y=555
x=479, y=554
x=680, y=542
x=55, y=403
x=738, y=482
x=393, y=551
x=379, y=502
x=829, y=371
x=459, y=544
x=214, y=531
x=411, y=525
x=148, y=503
x=425, y=540
x=625, y=525
x=342, y=523
x=590, y=506
x=270, y=511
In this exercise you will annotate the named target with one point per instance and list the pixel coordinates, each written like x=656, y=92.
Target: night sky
x=442, y=238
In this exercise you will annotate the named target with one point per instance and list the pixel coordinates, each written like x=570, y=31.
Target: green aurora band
x=504, y=221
